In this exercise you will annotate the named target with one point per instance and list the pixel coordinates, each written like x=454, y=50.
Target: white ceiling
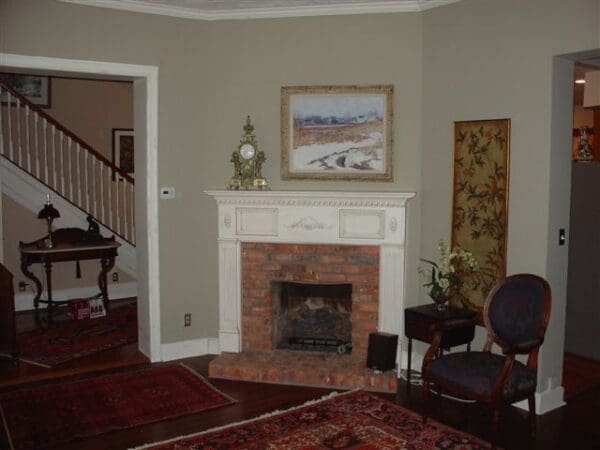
x=254, y=9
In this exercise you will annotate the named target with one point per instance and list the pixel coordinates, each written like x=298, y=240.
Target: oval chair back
x=517, y=311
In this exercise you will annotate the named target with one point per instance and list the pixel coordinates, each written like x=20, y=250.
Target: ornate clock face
x=247, y=151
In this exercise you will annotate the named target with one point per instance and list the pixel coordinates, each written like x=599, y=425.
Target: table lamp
x=49, y=213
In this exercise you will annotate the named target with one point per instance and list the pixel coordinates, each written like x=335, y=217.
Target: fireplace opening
x=314, y=317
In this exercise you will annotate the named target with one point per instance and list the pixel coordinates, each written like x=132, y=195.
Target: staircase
x=41, y=156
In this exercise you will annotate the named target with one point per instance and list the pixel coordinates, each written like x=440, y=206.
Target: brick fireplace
x=267, y=238
x=265, y=263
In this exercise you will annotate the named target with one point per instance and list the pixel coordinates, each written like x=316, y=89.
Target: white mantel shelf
x=310, y=217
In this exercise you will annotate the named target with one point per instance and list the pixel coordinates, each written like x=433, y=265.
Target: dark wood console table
x=420, y=323
x=68, y=244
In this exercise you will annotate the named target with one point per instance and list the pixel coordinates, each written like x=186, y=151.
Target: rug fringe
x=254, y=419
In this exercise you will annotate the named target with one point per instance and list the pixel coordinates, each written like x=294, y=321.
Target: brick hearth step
x=302, y=368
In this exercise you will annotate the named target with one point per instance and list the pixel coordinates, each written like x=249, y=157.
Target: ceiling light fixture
x=580, y=81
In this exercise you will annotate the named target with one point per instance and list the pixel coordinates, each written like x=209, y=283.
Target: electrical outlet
x=187, y=319
x=115, y=276
x=22, y=286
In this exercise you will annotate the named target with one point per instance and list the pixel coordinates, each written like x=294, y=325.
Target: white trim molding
x=146, y=211
x=545, y=401
x=201, y=13
x=333, y=218
x=189, y=348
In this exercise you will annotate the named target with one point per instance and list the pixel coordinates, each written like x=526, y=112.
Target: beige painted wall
x=211, y=75
x=494, y=59
x=92, y=108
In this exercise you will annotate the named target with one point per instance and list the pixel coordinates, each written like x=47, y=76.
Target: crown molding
x=266, y=13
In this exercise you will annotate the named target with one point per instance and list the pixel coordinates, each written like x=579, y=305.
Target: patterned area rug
x=354, y=420
x=71, y=339
x=54, y=414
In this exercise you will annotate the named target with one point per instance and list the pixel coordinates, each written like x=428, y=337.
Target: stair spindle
x=20, y=146
x=87, y=180
x=62, y=163
x=27, y=140
x=53, y=133
x=78, y=170
x=70, y=166
x=109, y=198
x=102, y=207
x=94, y=181
x=10, y=133
x=45, y=127
x=37, y=145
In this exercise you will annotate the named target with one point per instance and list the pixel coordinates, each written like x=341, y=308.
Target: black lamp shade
x=48, y=212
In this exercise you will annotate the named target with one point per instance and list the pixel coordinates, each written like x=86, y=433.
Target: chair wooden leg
x=532, y=415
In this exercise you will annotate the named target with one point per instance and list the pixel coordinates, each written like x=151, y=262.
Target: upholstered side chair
x=515, y=314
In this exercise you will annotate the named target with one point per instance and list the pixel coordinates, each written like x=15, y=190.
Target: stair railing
x=35, y=142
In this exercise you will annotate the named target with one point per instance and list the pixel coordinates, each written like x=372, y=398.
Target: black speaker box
x=381, y=354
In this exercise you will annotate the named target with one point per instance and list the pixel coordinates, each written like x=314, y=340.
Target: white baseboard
x=545, y=401
x=190, y=348
x=24, y=300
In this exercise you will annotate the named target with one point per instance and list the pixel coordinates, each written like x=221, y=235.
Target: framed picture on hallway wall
x=337, y=132
x=480, y=203
x=123, y=151
x=34, y=88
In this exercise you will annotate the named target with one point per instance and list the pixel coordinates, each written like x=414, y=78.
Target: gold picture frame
x=480, y=203
x=337, y=133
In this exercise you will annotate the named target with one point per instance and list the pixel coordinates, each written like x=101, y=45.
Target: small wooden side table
x=420, y=321
x=70, y=244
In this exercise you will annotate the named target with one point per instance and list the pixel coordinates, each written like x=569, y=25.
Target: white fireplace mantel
x=310, y=217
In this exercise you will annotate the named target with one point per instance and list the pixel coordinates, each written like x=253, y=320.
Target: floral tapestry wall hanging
x=480, y=203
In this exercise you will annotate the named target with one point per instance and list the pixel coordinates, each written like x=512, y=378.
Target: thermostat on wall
x=167, y=192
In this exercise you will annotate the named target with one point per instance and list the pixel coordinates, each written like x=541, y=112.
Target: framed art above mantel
x=337, y=133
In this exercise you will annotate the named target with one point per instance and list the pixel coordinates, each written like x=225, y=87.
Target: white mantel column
x=230, y=338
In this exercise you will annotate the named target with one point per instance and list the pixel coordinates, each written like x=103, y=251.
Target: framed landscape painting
x=337, y=132
x=35, y=88
x=480, y=203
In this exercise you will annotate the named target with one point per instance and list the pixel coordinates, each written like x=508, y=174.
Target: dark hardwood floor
x=573, y=426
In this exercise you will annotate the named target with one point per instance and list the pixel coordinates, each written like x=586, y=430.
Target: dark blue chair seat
x=478, y=371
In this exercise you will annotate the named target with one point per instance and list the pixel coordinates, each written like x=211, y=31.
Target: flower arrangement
x=445, y=278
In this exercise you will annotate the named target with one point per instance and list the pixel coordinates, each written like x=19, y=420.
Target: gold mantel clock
x=247, y=162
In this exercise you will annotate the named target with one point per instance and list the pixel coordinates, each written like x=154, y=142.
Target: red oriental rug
x=71, y=339
x=54, y=414
x=354, y=420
